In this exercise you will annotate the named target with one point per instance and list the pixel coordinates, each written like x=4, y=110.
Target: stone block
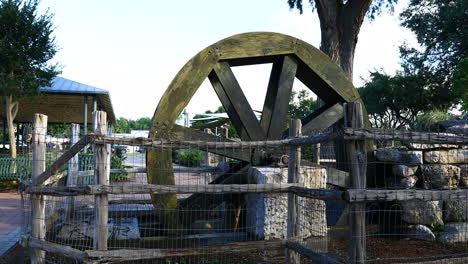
x=463, y=174
x=404, y=170
x=422, y=146
x=394, y=155
x=267, y=213
x=450, y=156
x=118, y=228
x=459, y=129
x=421, y=232
x=456, y=211
x=454, y=232
x=437, y=176
x=421, y=212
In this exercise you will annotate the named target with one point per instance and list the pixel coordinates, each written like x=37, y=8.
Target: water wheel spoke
x=278, y=96
x=235, y=103
x=322, y=118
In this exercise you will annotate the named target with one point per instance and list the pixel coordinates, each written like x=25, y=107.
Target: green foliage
x=428, y=121
x=375, y=8
x=124, y=125
x=301, y=104
x=57, y=130
x=26, y=46
x=460, y=82
x=189, y=158
x=440, y=28
x=394, y=101
x=117, y=163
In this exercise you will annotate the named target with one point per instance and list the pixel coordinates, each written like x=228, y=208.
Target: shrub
x=189, y=158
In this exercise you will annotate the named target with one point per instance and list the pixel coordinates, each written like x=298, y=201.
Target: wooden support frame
x=357, y=157
x=294, y=167
x=38, y=227
x=102, y=170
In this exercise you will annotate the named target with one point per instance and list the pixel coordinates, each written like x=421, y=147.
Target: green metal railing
x=16, y=169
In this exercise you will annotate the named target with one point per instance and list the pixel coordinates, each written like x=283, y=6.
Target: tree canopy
x=340, y=23
x=124, y=125
x=429, y=80
x=26, y=47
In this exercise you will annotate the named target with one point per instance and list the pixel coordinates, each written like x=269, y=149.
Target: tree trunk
x=340, y=24
x=11, y=111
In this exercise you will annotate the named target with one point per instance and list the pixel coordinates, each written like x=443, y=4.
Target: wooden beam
x=159, y=189
x=322, y=118
x=52, y=169
x=359, y=195
x=319, y=194
x=38, y=228
x=61, y=250
x=102, y=166
x=136, y=254
x=357, y=157
x=408, y=136
x=294, y=166
x=235, y=103
x=275, y=108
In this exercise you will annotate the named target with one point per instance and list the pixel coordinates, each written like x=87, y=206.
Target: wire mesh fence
x=235, y=202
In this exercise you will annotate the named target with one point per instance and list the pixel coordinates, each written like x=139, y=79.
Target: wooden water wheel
x=291, y=58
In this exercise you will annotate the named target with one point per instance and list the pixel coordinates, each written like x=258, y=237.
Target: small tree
x=26, y=46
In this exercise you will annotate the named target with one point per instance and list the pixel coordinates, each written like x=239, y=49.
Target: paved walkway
x=11, y=219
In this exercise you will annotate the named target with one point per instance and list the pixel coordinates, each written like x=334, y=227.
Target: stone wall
x=431, y=167
x=267, y=213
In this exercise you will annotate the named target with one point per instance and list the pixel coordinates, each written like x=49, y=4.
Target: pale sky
x=135, y=48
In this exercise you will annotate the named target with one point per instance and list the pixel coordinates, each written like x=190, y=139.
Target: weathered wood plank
x=61, y=250
x=294, y=166
x=102, y=167
x=235, y=103
x=278, y=95
x=357, y=158
x=211, y=146
x=359, y=195
x=159, y=189
x=409, y=136
x=320, y=194
x=136, y=254
x=38, y=227
x=52, y=169
x=322, y=118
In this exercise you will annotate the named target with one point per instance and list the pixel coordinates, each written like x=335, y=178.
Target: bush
x=428, y=121
x=189, y=158
x=117, y=163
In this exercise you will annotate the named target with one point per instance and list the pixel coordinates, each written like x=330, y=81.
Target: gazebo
x=64, y=102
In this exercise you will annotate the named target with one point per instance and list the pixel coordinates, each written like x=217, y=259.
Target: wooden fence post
x=294, y=164
x=73, y=168
x=101, y=176
x=357, y=157
x=38, y=229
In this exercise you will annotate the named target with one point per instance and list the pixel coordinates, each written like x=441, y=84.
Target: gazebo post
x=85, y=115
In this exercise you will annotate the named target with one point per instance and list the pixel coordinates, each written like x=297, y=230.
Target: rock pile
x=431, y=167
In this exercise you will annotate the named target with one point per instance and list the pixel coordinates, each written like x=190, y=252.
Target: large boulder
x=450, y=123
x=267, y=213
x=437, y=176
x=422, y=212
x=459, y=129
x=463, y=174
x=421, y=232
x=456, y=211
x=394, y=155
x=454, y=232
x=423, y=146
x=404, y=170
x=451, y=156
